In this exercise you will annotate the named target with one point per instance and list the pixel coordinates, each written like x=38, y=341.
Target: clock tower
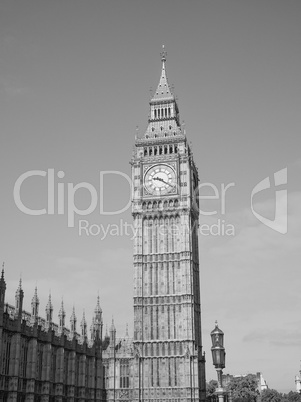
x=169, y=362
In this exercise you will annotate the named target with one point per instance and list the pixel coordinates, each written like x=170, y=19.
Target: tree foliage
x=293, y=396
x=211, y=387
x=271, y=395
x=244, y=389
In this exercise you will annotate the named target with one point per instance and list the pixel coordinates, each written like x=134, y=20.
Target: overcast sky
x=75, y=80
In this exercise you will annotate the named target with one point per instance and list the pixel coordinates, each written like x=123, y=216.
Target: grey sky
x=74, y=83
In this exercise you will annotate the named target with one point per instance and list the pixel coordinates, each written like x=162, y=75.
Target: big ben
x=170, y=365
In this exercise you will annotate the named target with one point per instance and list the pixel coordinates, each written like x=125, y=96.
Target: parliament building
x=163, y=361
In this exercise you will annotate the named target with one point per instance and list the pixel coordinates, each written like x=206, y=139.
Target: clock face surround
x=160, y=179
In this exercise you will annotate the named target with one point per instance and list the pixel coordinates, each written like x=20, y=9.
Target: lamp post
x=218, y=357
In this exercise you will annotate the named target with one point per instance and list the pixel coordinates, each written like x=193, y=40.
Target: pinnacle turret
x=83, y=325
x=2, y=285
x=97, y=321
x=73, y=321
x=92, y=329
x=2, y=273
x=62, y=315
x=112, y=335
x=98, y=310
x=19, y=298
x=49, y=310
x=112, y=328
x=2, y=294
x=35, y=302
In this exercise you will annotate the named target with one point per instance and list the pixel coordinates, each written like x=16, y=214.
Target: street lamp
x=218, y=357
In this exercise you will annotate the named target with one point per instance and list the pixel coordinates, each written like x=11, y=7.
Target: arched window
x=155, y=236
x=145, y=151
x=155, y=151
x=168, y=327
x=152, y=330
x=165, y=149
x=124, y=373
x=174, y=325
x=150, y=151
x=150, y=230
x=170, y=149
x=157, y=321
x=155, y=113
x=173, y=230
x=152, y=371
x=151, y=280
x=167, y=277
x=176, y=380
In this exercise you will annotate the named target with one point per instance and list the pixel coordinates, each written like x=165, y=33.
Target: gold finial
x=163, y=54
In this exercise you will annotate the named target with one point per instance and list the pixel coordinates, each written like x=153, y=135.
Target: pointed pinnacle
x=163, y=54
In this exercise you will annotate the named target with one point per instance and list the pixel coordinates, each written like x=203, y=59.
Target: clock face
x=160, y=179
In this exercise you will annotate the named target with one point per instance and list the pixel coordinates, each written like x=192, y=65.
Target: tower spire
x=164, y=118
x=163, y=90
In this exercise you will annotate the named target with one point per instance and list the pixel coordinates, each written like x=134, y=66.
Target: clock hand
x=163, y=181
